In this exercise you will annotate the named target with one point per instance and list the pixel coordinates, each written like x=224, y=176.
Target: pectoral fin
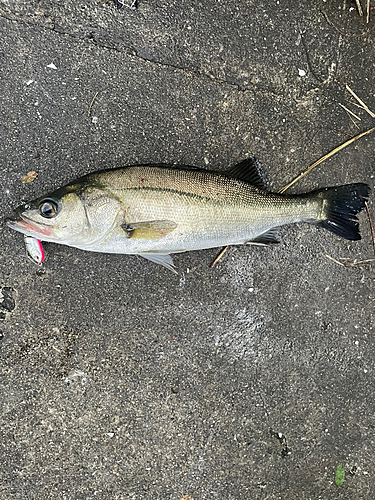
x=162, y=259
x=149, y=230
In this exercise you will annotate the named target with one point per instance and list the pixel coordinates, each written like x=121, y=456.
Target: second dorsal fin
x=249, y=170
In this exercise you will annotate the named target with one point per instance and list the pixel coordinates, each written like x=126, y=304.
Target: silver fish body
x=154, y=211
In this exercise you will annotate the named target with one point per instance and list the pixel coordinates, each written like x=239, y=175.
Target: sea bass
x=155, y=211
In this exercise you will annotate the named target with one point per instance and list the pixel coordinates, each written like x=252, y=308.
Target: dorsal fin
x=249, y=170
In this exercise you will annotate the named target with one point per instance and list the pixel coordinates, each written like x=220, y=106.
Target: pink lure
x=34, y=249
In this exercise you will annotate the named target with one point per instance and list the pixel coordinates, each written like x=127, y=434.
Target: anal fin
x=164, y=259
x=266, y=239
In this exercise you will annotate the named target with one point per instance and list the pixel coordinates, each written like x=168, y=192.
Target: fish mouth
x=29, y=227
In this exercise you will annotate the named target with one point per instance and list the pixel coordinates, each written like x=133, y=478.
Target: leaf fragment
x=30, y=177
x=339, y=475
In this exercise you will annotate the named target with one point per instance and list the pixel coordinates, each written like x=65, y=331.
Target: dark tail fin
x=340, y=206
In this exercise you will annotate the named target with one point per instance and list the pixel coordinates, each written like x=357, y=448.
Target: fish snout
x=25, y=225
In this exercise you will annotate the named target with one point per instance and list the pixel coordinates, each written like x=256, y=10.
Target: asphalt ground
x=250, y=380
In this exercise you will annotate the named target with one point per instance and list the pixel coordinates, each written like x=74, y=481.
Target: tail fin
x=340, y=206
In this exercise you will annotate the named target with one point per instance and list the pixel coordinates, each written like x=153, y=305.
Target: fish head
x=76, y=215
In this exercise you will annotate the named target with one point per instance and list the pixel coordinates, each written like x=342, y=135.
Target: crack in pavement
x=130, y=51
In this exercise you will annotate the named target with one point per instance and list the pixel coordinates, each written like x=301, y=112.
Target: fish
x=157, y=210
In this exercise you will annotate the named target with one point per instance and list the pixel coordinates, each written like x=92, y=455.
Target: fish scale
x=208, y=208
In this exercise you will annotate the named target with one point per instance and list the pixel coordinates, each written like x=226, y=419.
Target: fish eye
x=48, y=209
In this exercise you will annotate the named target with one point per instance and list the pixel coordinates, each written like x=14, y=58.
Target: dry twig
x=92, y=102
x=351, y=112
x=368, y=12
x=339, y=262
x=360, y=101
x=337, y=131
x=360, y=11
x=331, y=23
x=325, y=157
x=371, y=226
x=355, y=104
x=219, y=256
x=350, y=264
x=333, y=260
x=351, y=119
